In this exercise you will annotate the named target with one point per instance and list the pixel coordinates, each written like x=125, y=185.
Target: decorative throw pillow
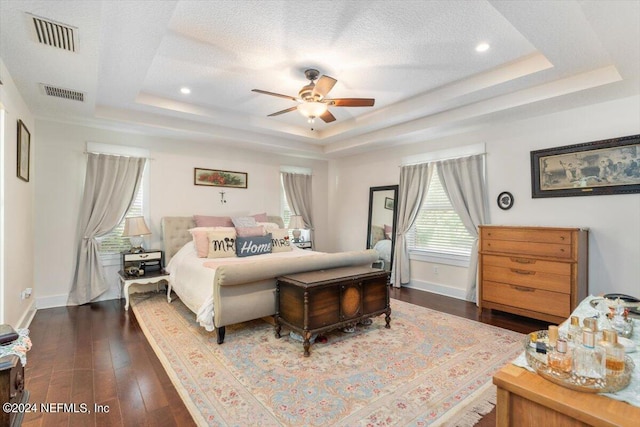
x=222, y=244
x=244, y=221
x=387, y=231
x=256, y=245
x=212, y=221
x=201, y=238
x=261, y=217
x=280, y=240
x=250, y=231
x=270, y=226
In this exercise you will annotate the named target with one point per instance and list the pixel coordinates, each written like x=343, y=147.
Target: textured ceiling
x=416, y=58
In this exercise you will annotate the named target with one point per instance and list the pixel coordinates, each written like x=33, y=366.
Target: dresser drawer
x=535, y=300
x=531, y=264
x=534, y=235
x=552, y=250
x=143, y=256
x=528, y=278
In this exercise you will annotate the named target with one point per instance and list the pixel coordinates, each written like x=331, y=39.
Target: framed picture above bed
x=219, y=178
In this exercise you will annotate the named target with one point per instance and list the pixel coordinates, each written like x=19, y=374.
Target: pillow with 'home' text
x=255, y=245
x=280, y=240
x=222, y=244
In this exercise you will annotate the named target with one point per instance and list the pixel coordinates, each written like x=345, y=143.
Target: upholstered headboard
x=175, y=232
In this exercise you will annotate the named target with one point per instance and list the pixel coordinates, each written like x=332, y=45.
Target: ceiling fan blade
x=274, y=94
x=277, y=113
x=351, y=102
x=327, y=117
x=324, y=85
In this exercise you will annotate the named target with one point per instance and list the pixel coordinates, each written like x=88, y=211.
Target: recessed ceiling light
x=185, y=90
x=482, y=47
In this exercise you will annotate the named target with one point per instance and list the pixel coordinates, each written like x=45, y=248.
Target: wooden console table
x=319, y=301
x=526, y=399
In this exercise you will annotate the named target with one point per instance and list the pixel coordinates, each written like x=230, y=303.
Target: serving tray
x=609, y=384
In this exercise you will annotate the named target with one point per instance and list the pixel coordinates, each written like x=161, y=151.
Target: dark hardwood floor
x=97, y=353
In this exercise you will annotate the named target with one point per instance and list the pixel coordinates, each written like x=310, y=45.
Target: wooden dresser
x=537, y=272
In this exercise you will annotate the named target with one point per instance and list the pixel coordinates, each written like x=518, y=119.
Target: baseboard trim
x=448, y=291
x=28, y=315
x=52, y=301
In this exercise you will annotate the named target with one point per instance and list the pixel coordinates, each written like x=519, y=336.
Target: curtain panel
x=110, y=186
x=463, y=182
x=414, y=183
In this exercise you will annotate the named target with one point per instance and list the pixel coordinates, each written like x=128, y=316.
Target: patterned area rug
x=430, y=368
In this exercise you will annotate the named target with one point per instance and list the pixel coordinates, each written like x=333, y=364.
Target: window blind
x=114, y=242
x=438, y=227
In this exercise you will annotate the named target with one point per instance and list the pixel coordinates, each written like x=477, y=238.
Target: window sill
x=439, y=258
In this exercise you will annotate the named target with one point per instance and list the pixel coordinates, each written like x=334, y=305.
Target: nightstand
x=303, y=245
x=155, y=277
x=12, y=390
x=150, y=261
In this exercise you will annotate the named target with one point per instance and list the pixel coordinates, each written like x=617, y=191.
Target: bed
x=226, y=291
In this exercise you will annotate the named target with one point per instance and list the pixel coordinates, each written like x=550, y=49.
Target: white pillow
x=222, y=244
x=244, y=221
x=280, y=240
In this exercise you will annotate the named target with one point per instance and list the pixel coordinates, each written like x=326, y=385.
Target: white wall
x=614, y=221
x=61, y=167
x=17, y=200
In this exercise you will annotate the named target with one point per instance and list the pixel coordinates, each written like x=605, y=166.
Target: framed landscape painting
x=609, y=166
x=219, y=178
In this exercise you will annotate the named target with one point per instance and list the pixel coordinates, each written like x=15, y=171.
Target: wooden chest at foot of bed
x=319, y=301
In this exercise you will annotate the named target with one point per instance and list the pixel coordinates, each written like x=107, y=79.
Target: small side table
x=149, y=278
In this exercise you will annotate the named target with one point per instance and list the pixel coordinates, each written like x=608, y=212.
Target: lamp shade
x=296, y=222
x=135, y=226
x=312, y=108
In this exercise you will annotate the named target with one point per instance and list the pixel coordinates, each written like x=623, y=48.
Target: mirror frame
x=395, y=216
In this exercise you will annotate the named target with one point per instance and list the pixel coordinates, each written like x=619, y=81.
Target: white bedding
x=383, y=247
x=193, y=282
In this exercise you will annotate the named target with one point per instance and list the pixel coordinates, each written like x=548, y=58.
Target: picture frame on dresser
x=603, y=167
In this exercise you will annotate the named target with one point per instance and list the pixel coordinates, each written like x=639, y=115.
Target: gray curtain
x=463, y=182
x=297, y=190
x=110, y=186
x=414, y=183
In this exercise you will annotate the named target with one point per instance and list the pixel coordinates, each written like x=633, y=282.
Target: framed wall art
x=24, y=151
x=609, y=166
x=219, y=178
x=388, y=203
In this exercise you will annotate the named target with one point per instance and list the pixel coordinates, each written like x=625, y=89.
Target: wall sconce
x=222, y=199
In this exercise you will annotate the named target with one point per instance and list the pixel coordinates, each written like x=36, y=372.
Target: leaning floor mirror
x=382, y=222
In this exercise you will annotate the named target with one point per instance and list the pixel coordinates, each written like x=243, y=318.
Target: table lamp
x=135, y=228
x=296, y=222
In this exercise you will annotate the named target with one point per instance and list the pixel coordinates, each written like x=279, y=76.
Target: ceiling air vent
x=55, y=34
x=58, y=92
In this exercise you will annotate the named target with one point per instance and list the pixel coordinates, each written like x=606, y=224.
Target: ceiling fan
x=312, y=101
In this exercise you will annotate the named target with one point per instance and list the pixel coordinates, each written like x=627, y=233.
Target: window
x=114, y=242
x=438, y=230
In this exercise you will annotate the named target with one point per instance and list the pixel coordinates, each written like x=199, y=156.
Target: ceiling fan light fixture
x=312, y=109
